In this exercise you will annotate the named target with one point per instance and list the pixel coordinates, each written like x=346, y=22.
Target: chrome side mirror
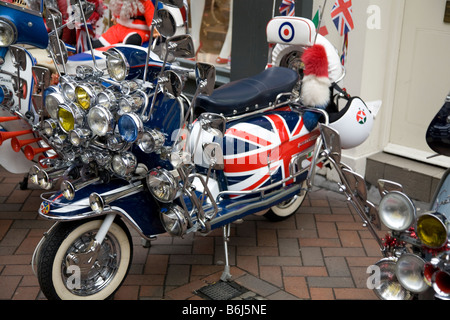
x=19, y=57
x=166, y=23
x=173, y=83
x=59, y=49
x=42, y=77
x=181, y=46
x=87, y=7
x=54, y=18
x=205, y=75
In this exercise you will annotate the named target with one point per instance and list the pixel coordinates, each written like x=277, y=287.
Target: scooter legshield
x=139, y=208
x=30, y=24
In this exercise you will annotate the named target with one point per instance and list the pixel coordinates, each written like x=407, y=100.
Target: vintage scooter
x=21, y=25
x=133, y=150
x=416, y=249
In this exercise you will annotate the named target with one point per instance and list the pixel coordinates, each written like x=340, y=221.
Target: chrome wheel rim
x=287, y=203
x=83, y=281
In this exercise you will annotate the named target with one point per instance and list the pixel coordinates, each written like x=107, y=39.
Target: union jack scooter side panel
x=258, y=151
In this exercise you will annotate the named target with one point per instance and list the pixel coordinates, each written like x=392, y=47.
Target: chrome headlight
x=70, y=116
x=8, y=33
x=150, y=141
x=45, y=180
x=409, y=271
x=58, y=141
x=389, y=287
x=68, y=85
x=431, y=228
x=397, y=211
x=106, y=99
x=100, y=120
x=128, y=86
x=130, y=127
x=124, y=163
x=115, y=142
x=84, y=72
x=117, y=64
x=79, y=136
x=52, y=102
x=163, y=185
x=133, y=103
x=87, y=156
x=49, y=126
x=173, y=220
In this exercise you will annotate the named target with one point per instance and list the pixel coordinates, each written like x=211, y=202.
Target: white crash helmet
x=354, y=122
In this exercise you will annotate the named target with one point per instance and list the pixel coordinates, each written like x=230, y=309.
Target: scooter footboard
x=231, y=210
x=130, y=201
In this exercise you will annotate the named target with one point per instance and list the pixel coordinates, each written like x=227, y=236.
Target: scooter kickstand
x=226, y=275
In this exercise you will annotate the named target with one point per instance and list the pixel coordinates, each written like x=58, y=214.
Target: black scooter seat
x=248, y=94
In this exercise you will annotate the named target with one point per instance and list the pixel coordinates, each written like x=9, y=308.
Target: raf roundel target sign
x=286, y=32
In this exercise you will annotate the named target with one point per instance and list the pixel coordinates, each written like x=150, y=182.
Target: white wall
x=371, y=64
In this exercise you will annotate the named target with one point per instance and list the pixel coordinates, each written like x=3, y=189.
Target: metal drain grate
x=221, y=291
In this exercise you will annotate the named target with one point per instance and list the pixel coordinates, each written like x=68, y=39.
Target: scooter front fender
x=138, y=208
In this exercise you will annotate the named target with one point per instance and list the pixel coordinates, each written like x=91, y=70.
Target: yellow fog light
x=82, y=97
x=70, y=116
x=432, y=230
x=86, y=93
x=66, y=119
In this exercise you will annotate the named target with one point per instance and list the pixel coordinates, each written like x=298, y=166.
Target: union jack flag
x=342, y=16
x=258, y=153
x=287, y=8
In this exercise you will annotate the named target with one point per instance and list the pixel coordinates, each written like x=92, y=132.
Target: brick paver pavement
x=321, y=252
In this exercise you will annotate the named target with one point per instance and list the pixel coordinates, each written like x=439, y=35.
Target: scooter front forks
x=101, y=233
x=86, y=260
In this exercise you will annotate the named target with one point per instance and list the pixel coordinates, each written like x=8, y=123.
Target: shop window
x=210, y=24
